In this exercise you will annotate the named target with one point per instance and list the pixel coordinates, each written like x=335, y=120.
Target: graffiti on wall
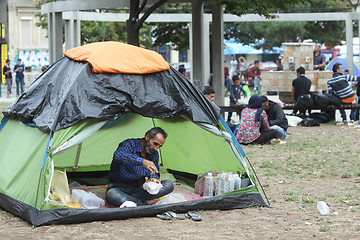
x=35, y=59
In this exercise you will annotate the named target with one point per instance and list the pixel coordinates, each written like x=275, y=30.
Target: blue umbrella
x=342, y=61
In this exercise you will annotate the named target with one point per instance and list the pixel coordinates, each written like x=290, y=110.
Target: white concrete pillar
x=77, y=30
x=197, y=64
x=218, y=54
x=55, y=36
x=349, y=43
x=50, y=41
x=72, y=31
x=69, y=33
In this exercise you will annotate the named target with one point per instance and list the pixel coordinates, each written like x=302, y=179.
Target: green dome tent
x=74, y=115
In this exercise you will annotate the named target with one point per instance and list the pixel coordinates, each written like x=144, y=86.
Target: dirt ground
x=315, y=164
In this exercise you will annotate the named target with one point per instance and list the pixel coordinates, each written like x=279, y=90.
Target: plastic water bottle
x=237, y=182
x=320, y=91
x=323, y=208
x=229, y=183
x=209, y=186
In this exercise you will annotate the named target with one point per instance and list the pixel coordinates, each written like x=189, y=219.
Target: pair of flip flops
x=171, y=215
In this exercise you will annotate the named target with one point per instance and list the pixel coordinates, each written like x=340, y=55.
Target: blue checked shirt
x=126, y=165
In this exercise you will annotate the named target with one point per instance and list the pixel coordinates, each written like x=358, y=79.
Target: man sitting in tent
x=134, y=160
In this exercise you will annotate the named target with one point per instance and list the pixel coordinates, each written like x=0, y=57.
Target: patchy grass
x=3, y=106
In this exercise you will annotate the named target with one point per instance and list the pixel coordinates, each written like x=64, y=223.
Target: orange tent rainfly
x=116, y=57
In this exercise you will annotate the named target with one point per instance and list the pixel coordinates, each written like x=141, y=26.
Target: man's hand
x=149, y=165
x=152, y=202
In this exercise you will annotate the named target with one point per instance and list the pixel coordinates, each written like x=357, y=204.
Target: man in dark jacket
x=276, y=116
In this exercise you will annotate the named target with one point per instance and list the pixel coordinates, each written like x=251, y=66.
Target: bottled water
x=209, y=186
x=237, y=182
x=229, y=183
x=323, y=208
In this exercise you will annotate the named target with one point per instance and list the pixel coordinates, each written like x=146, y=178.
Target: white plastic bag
x=86, y=200
x=152, y=188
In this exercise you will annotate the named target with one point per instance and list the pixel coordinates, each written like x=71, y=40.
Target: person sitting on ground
x=339, y=86
x=209, y=93
x=133, y=161
x=254, y=124
x=300, y=86
x=276, y=117
x=235, y=93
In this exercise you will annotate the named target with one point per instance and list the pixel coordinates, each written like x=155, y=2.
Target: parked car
x=268, y=66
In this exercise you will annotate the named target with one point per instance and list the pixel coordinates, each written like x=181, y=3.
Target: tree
x=274, y=33
x=134, y=23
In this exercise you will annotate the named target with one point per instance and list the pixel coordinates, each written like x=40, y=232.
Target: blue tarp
x=233, y=47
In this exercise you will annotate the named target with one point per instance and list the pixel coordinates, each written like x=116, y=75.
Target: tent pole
x=76, y=164
x=42, y=166
x=3, y=122
x=268, y=202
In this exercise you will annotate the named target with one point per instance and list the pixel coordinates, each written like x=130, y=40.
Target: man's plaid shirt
x=126, y=165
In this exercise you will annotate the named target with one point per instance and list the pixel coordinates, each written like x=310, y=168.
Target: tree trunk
x=133, y=24
x=132, y=32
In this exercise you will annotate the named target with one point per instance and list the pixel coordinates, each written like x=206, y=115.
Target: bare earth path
x=316, y=164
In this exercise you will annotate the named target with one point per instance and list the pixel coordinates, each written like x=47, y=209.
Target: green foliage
x=102, y=31
x=275, y=33
x=176, y=33
x=261, y=7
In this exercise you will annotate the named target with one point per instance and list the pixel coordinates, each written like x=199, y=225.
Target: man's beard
x=148, y=149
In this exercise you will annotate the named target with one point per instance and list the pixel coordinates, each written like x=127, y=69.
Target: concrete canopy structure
x=199, y=42
x=70, y=11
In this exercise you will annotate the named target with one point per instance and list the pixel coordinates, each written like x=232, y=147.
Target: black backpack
x=309, y=122
x=322, y=100
x=333, y=99
x=304, y=102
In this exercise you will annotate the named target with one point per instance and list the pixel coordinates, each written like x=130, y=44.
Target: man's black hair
x=301, y=70
x=346, y=70
x=19, y=59
x=256, y=61
x=7, y=60
x=264, y=99
x=182, y=70
x=155, y=130
x=336, y=67
x=235, y=77
x=208, y=91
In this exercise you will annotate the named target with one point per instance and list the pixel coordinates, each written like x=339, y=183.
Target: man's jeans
x=257, y=85
x=19, y=83
x=119, y=192
x=280, y=132
x=353, y=112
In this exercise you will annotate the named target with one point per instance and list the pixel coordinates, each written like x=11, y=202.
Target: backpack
x=304, y=102
x=309, y=122
x=322, y=100
x=335, y=100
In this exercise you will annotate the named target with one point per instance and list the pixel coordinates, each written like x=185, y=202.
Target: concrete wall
x=298, y=54
x=24, y=9
x=295, y=55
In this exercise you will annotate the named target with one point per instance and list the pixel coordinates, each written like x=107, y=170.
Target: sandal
x=193, y=216
x=169, y=215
